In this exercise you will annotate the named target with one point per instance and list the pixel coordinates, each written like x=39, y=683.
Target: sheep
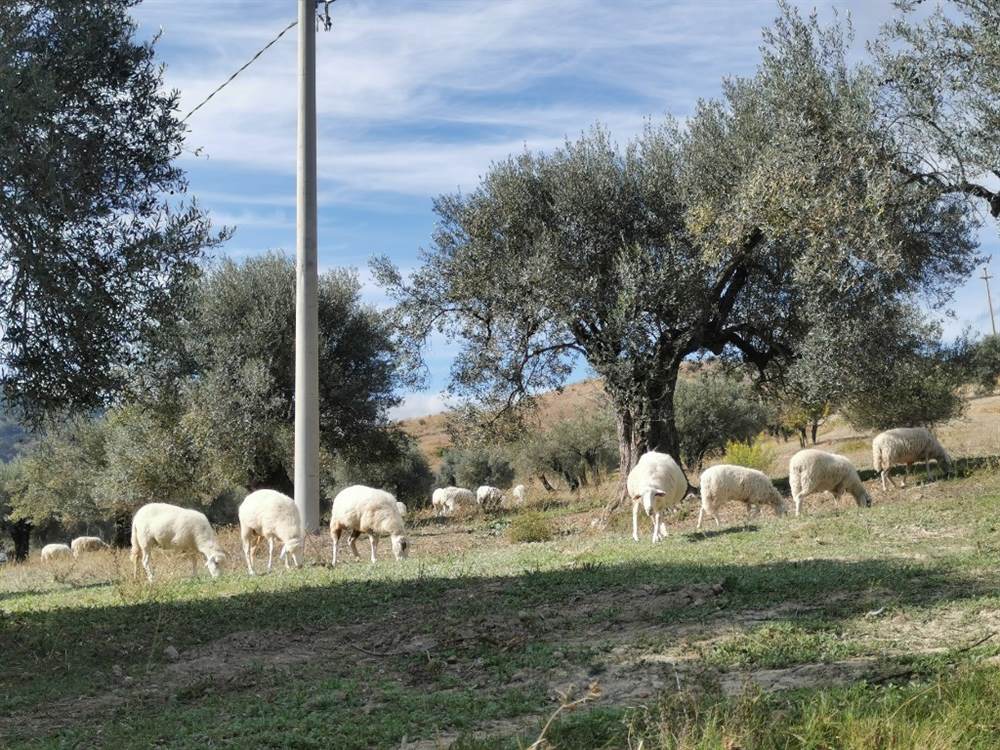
x=86, y=544
x=811, y=471
x=905, y=445
x=489, y=497
x=270, y=515
x=445, y=500
x=726, y=483
x=656, y=483
x=170, y=527
x=519, y=494
x=52, y=552
x=365, y=510
x=401, y=507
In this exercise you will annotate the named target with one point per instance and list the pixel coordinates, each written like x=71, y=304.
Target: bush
x=400, y=468
x=984, y=365
x=712, y=409
x=749, y=454
x=473, y=466
x=529, y=527
x=579, y=450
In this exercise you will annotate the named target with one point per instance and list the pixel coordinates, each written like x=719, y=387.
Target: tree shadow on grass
x=434, y=621
x=701, y=536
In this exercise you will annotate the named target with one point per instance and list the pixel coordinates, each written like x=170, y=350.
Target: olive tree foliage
x=19, y=529
x=577, y=450
x=475, y=465
x=776, y=207
x=400, y=468
x=941, y=92
x=96, y=245
x=236, y=398
x=984, y=364
x=714, y=408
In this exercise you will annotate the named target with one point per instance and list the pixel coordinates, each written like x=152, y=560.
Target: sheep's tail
x=135, y=541
x=877, y=457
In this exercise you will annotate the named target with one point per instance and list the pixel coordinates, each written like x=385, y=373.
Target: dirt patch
x=800, y=676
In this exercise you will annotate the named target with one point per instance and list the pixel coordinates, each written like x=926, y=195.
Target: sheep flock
x=656, y=485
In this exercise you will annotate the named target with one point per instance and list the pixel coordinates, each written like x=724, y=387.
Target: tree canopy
x=784, y=205
x=96, y=245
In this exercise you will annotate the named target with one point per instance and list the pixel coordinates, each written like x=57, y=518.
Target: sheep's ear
x=659, y=492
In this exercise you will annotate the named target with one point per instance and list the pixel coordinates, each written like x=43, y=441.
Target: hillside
x=976, y=433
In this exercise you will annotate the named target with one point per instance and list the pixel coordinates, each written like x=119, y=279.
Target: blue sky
x=417, y=97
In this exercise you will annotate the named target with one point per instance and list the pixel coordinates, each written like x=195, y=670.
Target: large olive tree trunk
x=20, y=533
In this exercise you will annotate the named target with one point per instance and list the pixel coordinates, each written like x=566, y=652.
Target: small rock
x=717, y=588
x=557, y=654
x=171, y=653
x=128, y=680
x=117, y=671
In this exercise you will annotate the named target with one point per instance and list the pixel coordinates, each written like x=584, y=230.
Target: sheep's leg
x=927, y=466
x=635, y=521
x=146, y=566
x=701, y=514
x=656, y=527
x=194, y=566
x=248, y=554
x=135, y=563
x=352, y=541
x=270, y=552
x=336, y=541
x=374, y=542
x=798, y=505
x=906, y=475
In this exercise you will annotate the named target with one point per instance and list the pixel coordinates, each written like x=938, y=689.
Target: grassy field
x=843, y=628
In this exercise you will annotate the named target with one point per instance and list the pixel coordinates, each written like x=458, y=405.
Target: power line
x=246, y=65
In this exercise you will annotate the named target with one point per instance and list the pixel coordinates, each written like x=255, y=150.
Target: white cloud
x=419, y=405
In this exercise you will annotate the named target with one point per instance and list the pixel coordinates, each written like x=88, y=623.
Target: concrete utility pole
x=306, y=283
x=989, y=300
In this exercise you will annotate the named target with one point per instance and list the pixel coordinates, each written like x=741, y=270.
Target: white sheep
x=812, y=470
x=519, y=494
x=401, y=507
x=270, y=515
x=56, y=552
x=87, y=544
x=906, y=445
x=171, y=527
x=445, y=500
x=489, y=497
x=656, y=483
x=726, y=483
x=365, y=510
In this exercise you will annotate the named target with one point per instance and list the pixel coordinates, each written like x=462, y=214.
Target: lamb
x=270, y=515
x=811, y=471
x=170, y=527
x=87, y=544
x=365, y=510
x=519, y=494
x=726, y=483
x=656, y=483
x=52, y=552
x=447, y=499
x=489, y=497
x=906, y=445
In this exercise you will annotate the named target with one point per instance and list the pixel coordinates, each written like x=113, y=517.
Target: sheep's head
x=863, y=499
x=778, y=503
x=648, y=497
x=213, y=561
x=400, y=547
x=292, y=547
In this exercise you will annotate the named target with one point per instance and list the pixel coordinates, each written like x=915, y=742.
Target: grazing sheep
x=364, y=510
x=170, y=527
x=56, y=552
x=270, y=515
x=656, y=483
x=906, y=445
x=87, y=544
x=811, y=471
x=489, y=497
x=726, y=483
x=446, y=500
x=401, y=507
x=519, y=494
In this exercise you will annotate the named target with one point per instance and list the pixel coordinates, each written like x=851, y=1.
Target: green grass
x=472, y=645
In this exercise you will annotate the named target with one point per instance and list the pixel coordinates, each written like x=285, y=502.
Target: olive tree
x=96, y=245
x=775, y=207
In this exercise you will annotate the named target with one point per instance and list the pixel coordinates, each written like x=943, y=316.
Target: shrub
x=578, y=450
x=749, y=454
x=984, y=365
x=475, y=465
x=398, y=467
x=529, y=527
x=712, y=409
